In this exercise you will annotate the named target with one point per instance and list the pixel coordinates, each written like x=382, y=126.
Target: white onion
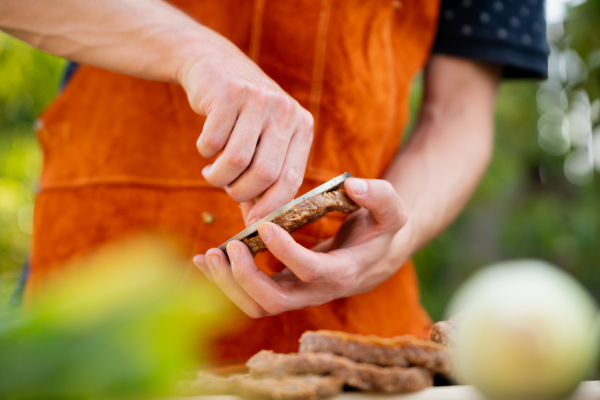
x=528, y=331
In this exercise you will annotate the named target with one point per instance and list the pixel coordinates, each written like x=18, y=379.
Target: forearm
x=440, y=167
x=144, y=38
x=250, y=120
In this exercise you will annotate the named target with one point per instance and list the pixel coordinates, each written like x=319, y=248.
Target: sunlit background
x=540, y=197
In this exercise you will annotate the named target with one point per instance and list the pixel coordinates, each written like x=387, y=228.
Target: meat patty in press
x=306, y=212
x=306, y=387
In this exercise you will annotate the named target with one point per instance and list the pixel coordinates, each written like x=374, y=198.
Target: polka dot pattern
x=524, y=11
x=502, y=33
x=509, y=32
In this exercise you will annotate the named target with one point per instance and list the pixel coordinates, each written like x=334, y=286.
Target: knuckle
x=308, y=120
x=267, y=173
x=233, y=88
x=294, y=177
x=213, y=181
x=194, y=98
x=388, y=188
x=306, y=128
x=209, y=145
x=402, y=213
x=259, y=93
x=310, y=275
x=388, y=194
x=394, y=211
x=274, y=308
x=237, y=159
x=256, y=313
x=282, y=102
x=240, y=194
x=196, y=106
x=236, y=196
x=390, y=197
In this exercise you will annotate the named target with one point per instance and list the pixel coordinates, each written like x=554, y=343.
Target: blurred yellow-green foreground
x=119, y=324
x=540, y=198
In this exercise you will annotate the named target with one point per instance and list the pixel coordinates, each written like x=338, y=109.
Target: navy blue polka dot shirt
x=507, y=32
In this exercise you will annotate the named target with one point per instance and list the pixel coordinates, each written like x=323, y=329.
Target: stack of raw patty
x=327, y=361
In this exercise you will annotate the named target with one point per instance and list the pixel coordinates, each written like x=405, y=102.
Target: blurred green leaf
x=117, y=325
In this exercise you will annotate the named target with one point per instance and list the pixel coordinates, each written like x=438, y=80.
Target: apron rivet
x=207, y=218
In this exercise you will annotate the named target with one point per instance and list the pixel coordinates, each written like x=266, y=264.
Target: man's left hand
x=355, y=261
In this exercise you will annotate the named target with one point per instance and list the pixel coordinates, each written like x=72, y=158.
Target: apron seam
x=317, y=76
x=256, y=30
x=393, y=89
x=117, y=181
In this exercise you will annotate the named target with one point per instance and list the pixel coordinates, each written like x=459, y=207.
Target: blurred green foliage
x=28, y=81
x=525, y=206
x=118, y=324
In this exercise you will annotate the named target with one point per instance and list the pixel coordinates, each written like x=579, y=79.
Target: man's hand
x=264, y=133
x=355, y=261
x=434, y=175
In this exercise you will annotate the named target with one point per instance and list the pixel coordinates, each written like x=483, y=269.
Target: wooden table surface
x=586, y=391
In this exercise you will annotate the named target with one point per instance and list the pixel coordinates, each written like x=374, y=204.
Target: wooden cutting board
x=586, y=391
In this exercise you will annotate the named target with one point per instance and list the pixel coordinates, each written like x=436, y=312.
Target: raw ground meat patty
x=307, y=387
x=361, y=376
x=306, y=212
x=400, y=351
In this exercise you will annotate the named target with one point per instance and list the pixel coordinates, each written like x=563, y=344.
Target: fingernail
x=197, y=260
x=266, y=232
x=253, y=221
x=358, y=186
x=233, y=251
x=206, y=170
x=214, y=262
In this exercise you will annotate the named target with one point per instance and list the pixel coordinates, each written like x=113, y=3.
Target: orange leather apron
x=120, y=154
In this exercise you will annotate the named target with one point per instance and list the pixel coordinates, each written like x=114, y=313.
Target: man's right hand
x=264, y=133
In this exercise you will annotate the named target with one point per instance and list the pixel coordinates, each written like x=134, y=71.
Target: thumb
x=380, y=198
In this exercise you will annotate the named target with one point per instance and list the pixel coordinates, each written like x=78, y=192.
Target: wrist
x=186, y=48
x=198, y=45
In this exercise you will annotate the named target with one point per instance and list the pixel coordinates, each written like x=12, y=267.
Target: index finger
x=238, y=152
x=273, y=296
x=307, y=265
x=292, y=174
x=217, y=265
x=258, y=285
